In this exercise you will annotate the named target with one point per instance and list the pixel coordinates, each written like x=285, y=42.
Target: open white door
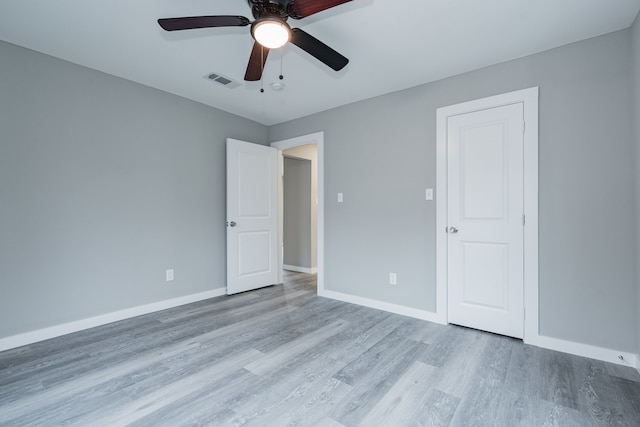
x=252, y=216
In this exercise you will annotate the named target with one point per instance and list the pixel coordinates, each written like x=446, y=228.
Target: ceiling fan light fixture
x=271, y=33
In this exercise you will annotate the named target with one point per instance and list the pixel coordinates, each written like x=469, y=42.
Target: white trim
x=79, y=325
x=318, y=139
x=638, y=363
x=529, y=97
x=312, y=270
x=586, y=350
x=564, y=346
x=381, y=305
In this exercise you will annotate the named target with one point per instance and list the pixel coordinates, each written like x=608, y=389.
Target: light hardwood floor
x=280, y=356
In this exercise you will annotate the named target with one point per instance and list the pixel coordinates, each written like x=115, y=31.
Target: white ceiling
x=391, y=44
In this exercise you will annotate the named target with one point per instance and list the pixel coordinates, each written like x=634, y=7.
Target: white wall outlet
x=169, y=275
x=428, y=194
x=340, y=198
x=393, y=279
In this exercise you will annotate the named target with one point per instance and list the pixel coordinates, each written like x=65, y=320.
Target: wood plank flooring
x=281, y=356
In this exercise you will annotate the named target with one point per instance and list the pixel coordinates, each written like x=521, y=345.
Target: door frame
x=318, y=139
x=529, y=98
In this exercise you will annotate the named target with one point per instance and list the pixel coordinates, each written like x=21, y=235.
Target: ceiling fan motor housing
x=269, y=8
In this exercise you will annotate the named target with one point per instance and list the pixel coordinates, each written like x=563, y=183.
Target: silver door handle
x=452, y=230
x=231, y=224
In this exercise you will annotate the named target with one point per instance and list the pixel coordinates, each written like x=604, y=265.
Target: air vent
x=222, y=79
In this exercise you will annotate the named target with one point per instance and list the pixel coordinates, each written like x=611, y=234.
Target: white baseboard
x=570, y=347
x=381, y=305
x=79, y=325
x=295, y=268
x=587, y=350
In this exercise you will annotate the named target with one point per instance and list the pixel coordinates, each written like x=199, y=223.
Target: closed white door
x=252, y=216
x=485, y=220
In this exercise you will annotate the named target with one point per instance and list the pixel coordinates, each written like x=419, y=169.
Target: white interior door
x=252, y=216
x=485, y=219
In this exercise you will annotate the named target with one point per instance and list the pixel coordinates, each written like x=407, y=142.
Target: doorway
x=300, y=209
x=468, y=269
x=308, y=151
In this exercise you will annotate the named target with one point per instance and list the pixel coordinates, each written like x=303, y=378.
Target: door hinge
x=523, y=219
x=524, y=126
x=524, y=314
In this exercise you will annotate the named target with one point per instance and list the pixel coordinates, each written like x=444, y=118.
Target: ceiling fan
x=270, y=30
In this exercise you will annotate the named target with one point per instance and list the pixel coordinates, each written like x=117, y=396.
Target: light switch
x=340, y=198
x=428, y=194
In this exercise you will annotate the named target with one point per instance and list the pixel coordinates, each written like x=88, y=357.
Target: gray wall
x=381, y=154
x=104, y=184
x=297, y=212
x=636, y=121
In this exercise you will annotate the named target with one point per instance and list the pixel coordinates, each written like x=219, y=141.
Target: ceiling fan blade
x=301, y=8
x=256, y=62
x=191, y=22
x=319, y=50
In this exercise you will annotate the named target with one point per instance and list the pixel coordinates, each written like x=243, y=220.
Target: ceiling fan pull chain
x=261, y=69
x=281, y=55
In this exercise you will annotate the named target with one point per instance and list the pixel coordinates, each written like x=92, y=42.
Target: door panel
x=253, y=245
x=483, y=154
x=485, y=207
x=253, y=189
x=252, y=216
x=484, y=280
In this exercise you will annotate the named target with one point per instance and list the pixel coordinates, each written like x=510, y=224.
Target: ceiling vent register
x=225, y=81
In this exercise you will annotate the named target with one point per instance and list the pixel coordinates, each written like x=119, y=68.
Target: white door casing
x=529, y=99
x=252, y=216
x=485, y=210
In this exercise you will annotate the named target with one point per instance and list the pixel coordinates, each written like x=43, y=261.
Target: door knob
x=452, y=230
x=231, y=224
